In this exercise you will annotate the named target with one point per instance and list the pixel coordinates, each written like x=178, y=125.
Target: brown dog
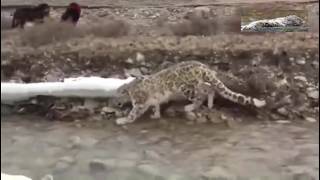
x=30, y=14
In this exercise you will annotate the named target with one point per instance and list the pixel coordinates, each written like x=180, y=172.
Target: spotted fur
x=191, y=80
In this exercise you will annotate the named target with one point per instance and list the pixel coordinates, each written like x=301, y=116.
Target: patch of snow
x=71, y=87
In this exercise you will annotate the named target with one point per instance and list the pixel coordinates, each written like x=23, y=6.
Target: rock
x=313, y=93
x=133, y=72
x=130, y=61
x=109, y=110
x=218, y=173
x=315, y=64
x=310, y=119
x=140, y=57
x=191, y=116
x=301, y=78
x=223, y=117
x=283, y=111
x=301, y=61
x=76, y=141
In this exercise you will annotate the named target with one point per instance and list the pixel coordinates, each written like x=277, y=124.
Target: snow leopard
x=190, y=80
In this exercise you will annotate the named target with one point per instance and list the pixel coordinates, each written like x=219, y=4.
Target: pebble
x=283, y=121
x=310, y=119
x=140, y=57
x=313, y=93
x=130, y=61
x=223, y=117
x=76, y=141
x=301, y=61
x=283, y=111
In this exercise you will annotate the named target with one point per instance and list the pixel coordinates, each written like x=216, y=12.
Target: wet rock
x=218, y=173
x=310, y=119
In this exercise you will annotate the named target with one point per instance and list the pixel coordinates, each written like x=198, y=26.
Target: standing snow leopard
x=191, y=80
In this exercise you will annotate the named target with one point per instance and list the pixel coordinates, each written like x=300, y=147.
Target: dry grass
x=109, y=28
x=205, y=23
x=49, y=32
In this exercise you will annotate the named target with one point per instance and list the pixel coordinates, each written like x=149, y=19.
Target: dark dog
x=30, y=14
x=72, y=13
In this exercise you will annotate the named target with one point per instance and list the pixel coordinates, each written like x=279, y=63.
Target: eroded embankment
x=282, y=68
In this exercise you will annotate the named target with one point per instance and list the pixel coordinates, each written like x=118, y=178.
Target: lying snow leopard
x=191, y=80
x=291, y=20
